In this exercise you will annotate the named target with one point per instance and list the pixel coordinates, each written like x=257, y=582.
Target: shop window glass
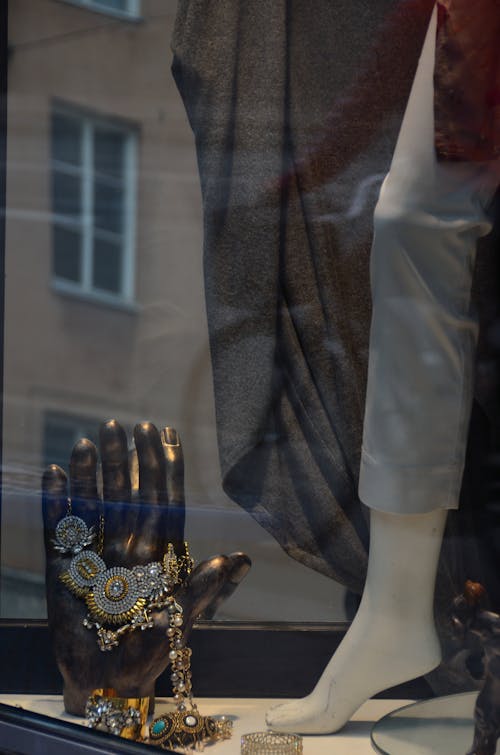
x=85, y=139
x=267, y=281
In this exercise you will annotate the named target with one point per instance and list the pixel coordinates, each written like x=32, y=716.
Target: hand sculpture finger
x=174, y=458
x=54, y=503
x=237, y=567
x=157, y=476
x=152, y=467
x=116, y=488
x=151, y=494
x=207, y=583
x=83, y=481
x=114, y=460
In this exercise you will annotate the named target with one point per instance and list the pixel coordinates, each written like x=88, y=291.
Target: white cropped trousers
x=427, y=221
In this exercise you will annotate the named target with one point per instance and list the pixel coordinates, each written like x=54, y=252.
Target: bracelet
x=121, y=716
x=271, y=743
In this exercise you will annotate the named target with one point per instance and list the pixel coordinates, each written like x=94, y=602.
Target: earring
x=72, y=534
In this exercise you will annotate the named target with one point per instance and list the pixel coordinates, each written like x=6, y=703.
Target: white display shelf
x=247, y=715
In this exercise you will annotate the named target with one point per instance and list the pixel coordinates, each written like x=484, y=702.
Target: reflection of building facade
x=104, y=301
x=93, y=177
x=103, y=238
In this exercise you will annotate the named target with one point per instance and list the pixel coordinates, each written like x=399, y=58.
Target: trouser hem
x=398, y=489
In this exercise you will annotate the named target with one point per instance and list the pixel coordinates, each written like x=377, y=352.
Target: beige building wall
x=66, y=354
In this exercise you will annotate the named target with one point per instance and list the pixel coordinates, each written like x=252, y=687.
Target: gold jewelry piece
x=121, y=716
x=271, y=743
x=185, y=727
x=119, y=600
x=189, y=729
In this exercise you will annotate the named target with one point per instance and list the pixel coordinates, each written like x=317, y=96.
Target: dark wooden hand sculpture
x=471, y=617
x=141, y=510
x=487, y=710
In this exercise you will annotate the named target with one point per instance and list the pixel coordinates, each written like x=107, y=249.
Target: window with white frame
x=130, y=8
x=93, y=205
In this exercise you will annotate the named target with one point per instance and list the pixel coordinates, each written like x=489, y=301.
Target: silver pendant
x=72, y=535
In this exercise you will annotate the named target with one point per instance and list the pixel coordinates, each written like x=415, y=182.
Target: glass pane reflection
x=108, y=207
x=107, y=265
x=108, y=152
x=66, y=194
x=67, y=253
x=66, y=139
x=95, y=122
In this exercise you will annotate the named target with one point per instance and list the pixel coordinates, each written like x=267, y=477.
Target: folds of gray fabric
x=268, y=88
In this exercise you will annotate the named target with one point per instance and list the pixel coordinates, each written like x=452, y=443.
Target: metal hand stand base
x=441, y=726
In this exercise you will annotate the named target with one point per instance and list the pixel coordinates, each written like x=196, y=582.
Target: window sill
x=100, y=298
x=252, y=648
x=118, y=15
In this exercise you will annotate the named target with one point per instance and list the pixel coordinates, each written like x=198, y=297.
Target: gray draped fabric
x=286, y=261
x=295, y=106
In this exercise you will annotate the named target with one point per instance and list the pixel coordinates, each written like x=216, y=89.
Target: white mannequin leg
x=428, y=219
x=393, y=636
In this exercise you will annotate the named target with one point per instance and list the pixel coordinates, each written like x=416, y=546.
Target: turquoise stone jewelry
x=119, y=601
x=185, y=727
x=187, y=730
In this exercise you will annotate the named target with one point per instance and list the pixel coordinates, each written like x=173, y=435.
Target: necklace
x=119, y=600
x=185, y=727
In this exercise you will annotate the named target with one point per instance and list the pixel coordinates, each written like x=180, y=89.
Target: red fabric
x=381, y=87
x=467, y=80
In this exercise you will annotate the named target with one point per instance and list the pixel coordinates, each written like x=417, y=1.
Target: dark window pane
x=57, y=443
x=108, y=152
x=114, y=4
x=108, y=207
x=66, y=194
x=61, y=432
x=107, y=266
x=67, y=253
x=66, y=139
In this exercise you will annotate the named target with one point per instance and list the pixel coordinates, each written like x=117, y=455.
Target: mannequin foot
x=375, y=654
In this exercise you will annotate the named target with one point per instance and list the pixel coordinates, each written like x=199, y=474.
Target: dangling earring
x=72, y=534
